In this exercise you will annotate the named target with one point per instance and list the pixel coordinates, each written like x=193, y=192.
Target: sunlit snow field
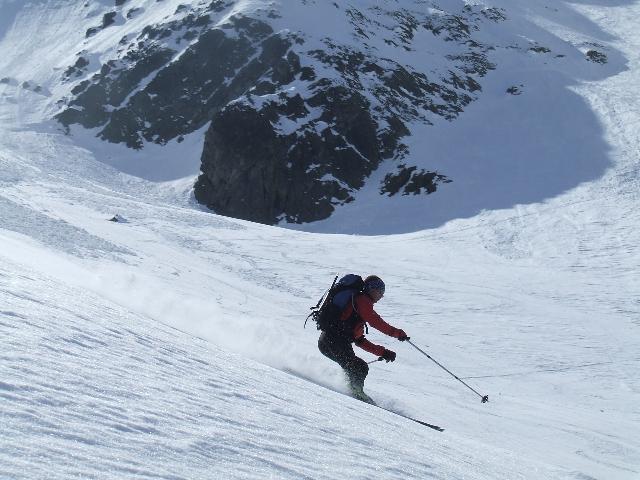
x=171, y=345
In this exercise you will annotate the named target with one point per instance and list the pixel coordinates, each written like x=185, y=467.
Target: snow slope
x=171, y=345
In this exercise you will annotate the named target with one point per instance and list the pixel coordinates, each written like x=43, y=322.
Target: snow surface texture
x=169, y=345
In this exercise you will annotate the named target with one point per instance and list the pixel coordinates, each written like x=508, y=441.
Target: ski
x=363, y=397
x=358, y=394
x=435, y=427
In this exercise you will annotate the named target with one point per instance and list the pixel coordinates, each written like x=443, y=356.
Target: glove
x=388, y=355
x=402, y=336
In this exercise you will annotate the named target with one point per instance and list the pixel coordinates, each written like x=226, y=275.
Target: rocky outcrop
x=186, y=90
x=596, y=56
x=412, y=181
x=277, y=155
x=268, y=176
x=297, y=123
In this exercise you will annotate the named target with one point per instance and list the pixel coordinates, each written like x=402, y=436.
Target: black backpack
x=326, y=313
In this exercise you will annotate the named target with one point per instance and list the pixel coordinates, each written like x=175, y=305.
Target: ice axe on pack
x=485, y=398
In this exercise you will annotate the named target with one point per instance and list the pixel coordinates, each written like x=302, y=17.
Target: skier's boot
x=358, y=392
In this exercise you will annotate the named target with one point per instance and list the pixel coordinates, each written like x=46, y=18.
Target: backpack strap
x=355, y=310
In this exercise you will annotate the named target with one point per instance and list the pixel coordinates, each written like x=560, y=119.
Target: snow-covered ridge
x=308, y=106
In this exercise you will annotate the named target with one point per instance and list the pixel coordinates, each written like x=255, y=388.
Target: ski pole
x=485, y=398
x=376, y=360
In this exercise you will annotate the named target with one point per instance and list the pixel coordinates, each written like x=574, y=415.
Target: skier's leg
x=326, y=346
x=341, y=352
x=357, y=370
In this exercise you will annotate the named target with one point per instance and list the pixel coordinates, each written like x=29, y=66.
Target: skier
x=336, y=345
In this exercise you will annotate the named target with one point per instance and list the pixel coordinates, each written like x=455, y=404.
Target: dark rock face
x=185, y=93
x=596, y=56
x=108, y=19
x=298, y=124
x=313, y=153
x=76, y=70
x=295, y=177
x=410, y=180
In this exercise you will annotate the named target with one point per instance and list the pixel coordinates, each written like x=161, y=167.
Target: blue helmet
x=373, y=282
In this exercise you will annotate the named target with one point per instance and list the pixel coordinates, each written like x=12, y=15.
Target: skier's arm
x=365, y=344
x=369, y=315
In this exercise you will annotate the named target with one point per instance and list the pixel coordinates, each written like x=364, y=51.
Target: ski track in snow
x=157, y=348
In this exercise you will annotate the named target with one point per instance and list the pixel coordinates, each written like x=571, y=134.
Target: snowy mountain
x=307, y=105
x=169, y=343
x=300, y=116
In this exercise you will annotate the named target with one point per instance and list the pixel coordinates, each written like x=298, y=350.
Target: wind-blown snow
x=171, y=345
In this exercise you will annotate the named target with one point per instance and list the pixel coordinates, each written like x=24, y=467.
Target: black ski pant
x=340, y=350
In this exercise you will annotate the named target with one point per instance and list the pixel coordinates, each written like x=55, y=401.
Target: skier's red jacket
x=366, y=314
